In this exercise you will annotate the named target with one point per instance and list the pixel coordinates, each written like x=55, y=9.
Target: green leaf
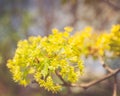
x=44, y=71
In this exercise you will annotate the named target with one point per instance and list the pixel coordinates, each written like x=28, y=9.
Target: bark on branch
x=115, y=86
x=94, y=82
x=107, y=68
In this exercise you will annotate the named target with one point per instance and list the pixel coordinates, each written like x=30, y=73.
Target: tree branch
x=107, y=68
x=112, y=73
x=94, y=82
x=60, y=77
x=115, y=86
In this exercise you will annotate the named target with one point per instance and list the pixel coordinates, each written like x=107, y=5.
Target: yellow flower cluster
x=115, y=40
x=41, y=57
x=91, y=43
x=82, y=40
x=99, y=44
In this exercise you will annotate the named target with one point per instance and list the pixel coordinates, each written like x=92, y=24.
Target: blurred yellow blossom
x=41, y=57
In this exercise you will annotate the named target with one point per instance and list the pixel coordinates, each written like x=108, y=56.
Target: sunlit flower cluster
x=82, y=40
x=97, y=44
x=115, y=40
x=39, y=58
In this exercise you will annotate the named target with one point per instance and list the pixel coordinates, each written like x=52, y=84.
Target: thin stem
x=60, y=77
x=94, y=82
x=104, y=65
x=115, y=86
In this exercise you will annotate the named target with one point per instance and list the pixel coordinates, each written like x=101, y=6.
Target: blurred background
x=20, y=19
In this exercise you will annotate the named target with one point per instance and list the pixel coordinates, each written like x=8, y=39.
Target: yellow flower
x=23, y=82
x=37, y=76
x=115, y=28
x=68, y=29
x=31, y=70
x=55, y=30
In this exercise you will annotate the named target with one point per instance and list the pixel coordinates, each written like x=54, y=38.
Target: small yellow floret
x=68, y=29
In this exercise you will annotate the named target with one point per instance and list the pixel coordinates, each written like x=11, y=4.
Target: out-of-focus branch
x=114, y=6
x=115, y=86
x=74, y=13
x=94, y=82
x=107, y=68
x=111, y=71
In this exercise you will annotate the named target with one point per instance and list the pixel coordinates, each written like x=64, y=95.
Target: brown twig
x=110, y=70
x=60, y=77
x=115, y=86
x=107, y=68
x=87, y=85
